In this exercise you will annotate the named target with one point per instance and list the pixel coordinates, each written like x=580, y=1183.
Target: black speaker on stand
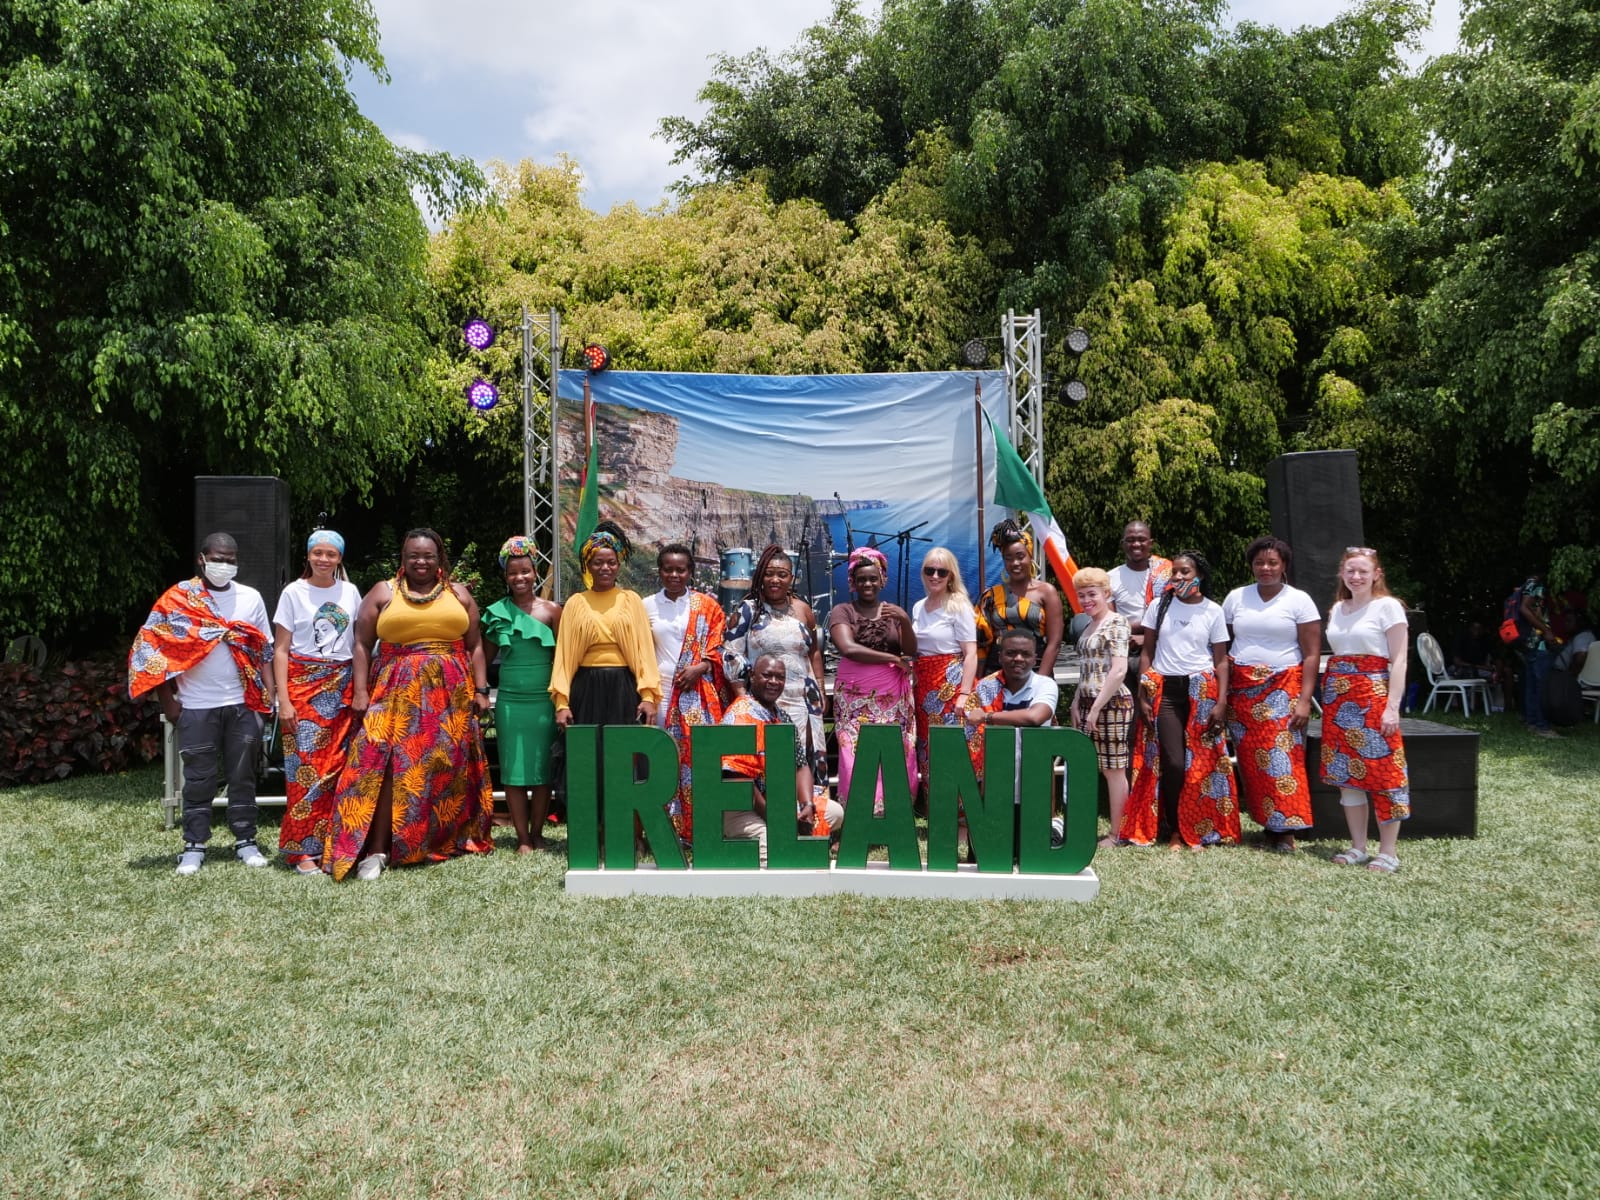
x=1315, y=499
x=255, y=510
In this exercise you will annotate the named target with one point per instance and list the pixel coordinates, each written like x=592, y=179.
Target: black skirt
x=604, y=696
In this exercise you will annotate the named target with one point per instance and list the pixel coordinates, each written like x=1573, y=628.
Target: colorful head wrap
x=324, y=537
x=867, y=554
x=600, y=539
x=334, y=615
x=520, y=545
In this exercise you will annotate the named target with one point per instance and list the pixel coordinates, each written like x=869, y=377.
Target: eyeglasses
x=936, y=572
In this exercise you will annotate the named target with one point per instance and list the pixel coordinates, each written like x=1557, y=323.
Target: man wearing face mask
x=205, y=652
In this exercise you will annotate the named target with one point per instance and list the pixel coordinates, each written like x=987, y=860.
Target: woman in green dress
x=524, y=627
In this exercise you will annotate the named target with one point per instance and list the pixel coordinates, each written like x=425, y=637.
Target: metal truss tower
x=541, y=368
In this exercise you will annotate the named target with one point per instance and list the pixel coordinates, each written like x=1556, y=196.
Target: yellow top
x=605, y=629
x=441, y=620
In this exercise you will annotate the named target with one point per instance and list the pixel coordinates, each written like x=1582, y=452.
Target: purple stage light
x=479, y=333
x=483, y=395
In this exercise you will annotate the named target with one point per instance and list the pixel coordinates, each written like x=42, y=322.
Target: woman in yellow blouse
x=605, y=669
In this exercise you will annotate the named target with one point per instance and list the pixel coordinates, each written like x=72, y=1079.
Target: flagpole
x=977, y=432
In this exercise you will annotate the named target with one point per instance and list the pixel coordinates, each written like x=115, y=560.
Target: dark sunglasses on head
x=936, y=572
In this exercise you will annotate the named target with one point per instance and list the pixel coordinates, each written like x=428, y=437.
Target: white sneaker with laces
x=250, y=854
x=191, y=860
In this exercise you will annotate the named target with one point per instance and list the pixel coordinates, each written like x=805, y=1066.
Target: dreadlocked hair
x=768, y=556
x=1202, y=573
x=1007, y=532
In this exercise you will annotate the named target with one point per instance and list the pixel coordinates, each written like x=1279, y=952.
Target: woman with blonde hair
x=1362, y=754
x=947, y=648
x=1102, y=706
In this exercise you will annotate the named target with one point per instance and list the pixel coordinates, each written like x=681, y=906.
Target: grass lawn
x=1221, y=1024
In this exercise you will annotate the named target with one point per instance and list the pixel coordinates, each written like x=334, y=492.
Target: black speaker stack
x=1315, y=499
x=255, y=510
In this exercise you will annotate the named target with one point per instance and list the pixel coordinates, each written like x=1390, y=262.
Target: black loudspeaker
x=255, y=510
x=1315, y=498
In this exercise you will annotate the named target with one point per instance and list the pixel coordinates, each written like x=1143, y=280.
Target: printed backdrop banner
x=817, y=463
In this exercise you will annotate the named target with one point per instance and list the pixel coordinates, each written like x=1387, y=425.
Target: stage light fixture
x=483, y=395
x=1075, y=392
x=478, y=333
x=595, y=357
x=974, y=353
x=1077, y=340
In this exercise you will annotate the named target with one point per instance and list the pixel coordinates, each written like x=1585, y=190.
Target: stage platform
x=1443, y=761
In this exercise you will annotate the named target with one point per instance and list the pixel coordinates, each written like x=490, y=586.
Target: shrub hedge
x=76, y=717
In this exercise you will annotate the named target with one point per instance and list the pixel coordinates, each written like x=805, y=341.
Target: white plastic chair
x=1433, y=660
x=1589, y=680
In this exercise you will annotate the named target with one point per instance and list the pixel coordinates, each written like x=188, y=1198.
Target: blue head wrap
x=324, y=537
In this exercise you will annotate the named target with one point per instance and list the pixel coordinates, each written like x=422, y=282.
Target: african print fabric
x=1208, y=811
x=938, y=684
x=1355, y=752
x=421, y=728
x=1269, y=756
x=313, y=752
x=872, y=694
x=1000, y=610
x=184, y=627
x=700, y=704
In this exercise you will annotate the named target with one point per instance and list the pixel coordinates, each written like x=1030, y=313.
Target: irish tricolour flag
x=1015, y=487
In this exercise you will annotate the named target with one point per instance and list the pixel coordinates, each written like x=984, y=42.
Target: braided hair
x=768, y=556
x=1202, y=573
x=1008, y=533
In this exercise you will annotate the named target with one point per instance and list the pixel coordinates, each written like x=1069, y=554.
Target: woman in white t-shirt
x=312, y=654
x=1183, y=787
x=1362, y=754
x=1276, y=630
x=947, y=649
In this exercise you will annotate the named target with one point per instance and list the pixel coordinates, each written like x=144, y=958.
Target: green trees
x=1511, y=322
x=209, y=262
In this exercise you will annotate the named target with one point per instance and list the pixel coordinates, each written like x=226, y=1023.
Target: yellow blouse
x=441, y=620
x=605, y=629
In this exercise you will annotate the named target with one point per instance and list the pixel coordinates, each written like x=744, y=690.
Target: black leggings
x=1172, y=720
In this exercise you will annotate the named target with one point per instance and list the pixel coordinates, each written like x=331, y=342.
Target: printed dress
x=759, y=629
x=1208, y=808
x=420, y=729
x=694, y=706
x=871, y=694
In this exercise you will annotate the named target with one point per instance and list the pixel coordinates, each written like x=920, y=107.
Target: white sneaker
x=191, y=860
x=370, y=867
x=250, y=854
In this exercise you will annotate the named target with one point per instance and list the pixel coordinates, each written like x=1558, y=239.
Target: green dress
x=524, y=715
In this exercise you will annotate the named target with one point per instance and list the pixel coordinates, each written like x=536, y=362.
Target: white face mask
x=220, y=574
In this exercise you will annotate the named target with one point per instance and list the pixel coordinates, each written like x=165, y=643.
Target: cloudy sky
x=514, y=79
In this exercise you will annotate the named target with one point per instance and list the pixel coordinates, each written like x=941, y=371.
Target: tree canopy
x=210, y=263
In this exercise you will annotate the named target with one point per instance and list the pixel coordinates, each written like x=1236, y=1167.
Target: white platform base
x=966, y=883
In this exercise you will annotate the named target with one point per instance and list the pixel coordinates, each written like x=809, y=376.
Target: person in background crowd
x=1539, y=648
x=1023, y=601
x=415, y=785
x=1183, y=788
x=687, y=629
x=1576, y=650
x=1135, y=586
x=203, y=651
x=1017, y=697
x=523, y=627
x=877, y=652
x=773, y=620
x=1272, y=676
x=1102, y=706
x=315, y=643
x=758, y=705
x=1362, y=752
x=947, y=648
x=1474, y=654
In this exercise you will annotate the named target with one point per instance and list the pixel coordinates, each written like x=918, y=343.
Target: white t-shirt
x=1266, y=633
x=669, y=621
x=1582, y=642
x=1127, y=591
x=1365, y=630
x=942, y=630
x=214, y=681
x=321, y=621
x=1187, y=635
x=1039, y=689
